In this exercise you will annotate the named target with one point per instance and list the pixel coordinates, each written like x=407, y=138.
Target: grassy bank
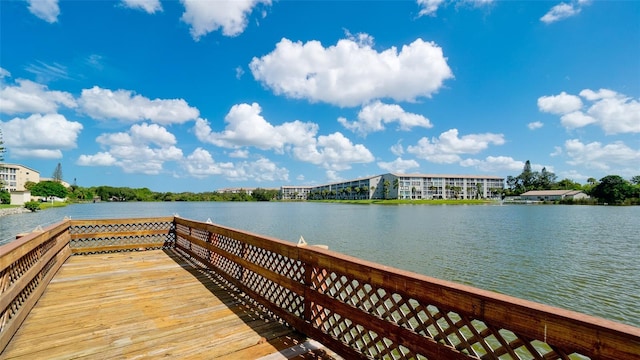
x=47, y=205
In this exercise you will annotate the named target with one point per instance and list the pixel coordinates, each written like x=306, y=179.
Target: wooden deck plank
x=144, y=304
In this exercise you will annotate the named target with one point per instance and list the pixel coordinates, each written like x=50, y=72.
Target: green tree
x=57, y=173
x=527, y=178
x=49, y=188
x=612, y=189
x=385, y=188
x=5, y=197
x=545, y=180
x=567, y=184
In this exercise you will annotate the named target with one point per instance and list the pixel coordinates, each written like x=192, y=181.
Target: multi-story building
x=403, y=186
x=295, y=192
x=14, y=176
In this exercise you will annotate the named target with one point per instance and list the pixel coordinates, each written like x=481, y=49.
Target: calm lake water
x=583, y=258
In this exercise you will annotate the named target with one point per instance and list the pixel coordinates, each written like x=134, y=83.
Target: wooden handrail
x=357, y=308
x=363, y=309
x=27, y=265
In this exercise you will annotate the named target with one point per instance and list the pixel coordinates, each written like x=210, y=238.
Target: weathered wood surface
x=146, y=304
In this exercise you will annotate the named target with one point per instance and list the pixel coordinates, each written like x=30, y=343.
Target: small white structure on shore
x=553, y=195
x=20, y=197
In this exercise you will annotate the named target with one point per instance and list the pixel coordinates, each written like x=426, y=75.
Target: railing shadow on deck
x=356, y=308
x=254, y=315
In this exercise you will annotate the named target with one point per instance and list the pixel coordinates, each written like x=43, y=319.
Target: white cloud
x=495, y=164
x=563, y=11
x=143, y=149
x=46, y=10
x=448, y=147
x=99, y=159
x=399, y=165
x=31, y=97
x=615, y=156
x=397, y=149
x=615, y=113
x=430, y=7
x=47, y=72
x=352, y=73
x=40, y=135
x=535, y=125
x=372, y=117
x=247, y=128
x=207, y=16
x=333, y=152
x=149, y=6
x=201, y=164
x=239, y=153
x=124, y=105
x=4, y=73
x=559, y=104
x=576, y=119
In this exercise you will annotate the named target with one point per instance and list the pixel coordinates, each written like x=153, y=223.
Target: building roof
x=8, y=165
x=450, y=176
x=551, y=192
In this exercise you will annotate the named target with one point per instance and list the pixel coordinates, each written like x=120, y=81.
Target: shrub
x=32, y=205
x=5, y=197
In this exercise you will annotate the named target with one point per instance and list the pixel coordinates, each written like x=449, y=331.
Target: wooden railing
x=358, y=309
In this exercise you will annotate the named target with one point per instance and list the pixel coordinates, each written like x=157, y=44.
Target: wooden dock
x=178, y=288
x=150, y=304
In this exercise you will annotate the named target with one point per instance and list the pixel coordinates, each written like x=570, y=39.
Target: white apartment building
x=403, y=186
x=14, y=176
x=295, y=192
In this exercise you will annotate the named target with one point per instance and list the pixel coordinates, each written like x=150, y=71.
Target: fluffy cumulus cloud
x=603, y=157
x=373, y=117
x=30, y=97
x=496, y=164
x=126, y=106
x=142, y=149
x=563, y=11
x=430, y=7
x=47, y=10
x=352, y=72
x=615, y=113
x=559, y=104
x=149, y=6
x=4, y=73
x=206, y=16
x=201, y=164
x=246, y=127
x=333, y=152
x=398, y=166
x=40, y=136
x=448, y=147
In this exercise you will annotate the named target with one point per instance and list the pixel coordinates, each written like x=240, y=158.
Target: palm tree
x=385, y=188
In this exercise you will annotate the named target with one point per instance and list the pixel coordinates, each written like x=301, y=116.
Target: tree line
x=611, y=189
x=109, y=193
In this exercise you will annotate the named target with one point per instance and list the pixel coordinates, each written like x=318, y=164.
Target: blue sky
x=202, y=95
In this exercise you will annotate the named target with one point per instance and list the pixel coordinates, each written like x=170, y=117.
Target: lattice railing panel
x=274, y=293
x=101, y=228
x=99, y=237
x=464, y=334
x=363, y=311
x=290, y=268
